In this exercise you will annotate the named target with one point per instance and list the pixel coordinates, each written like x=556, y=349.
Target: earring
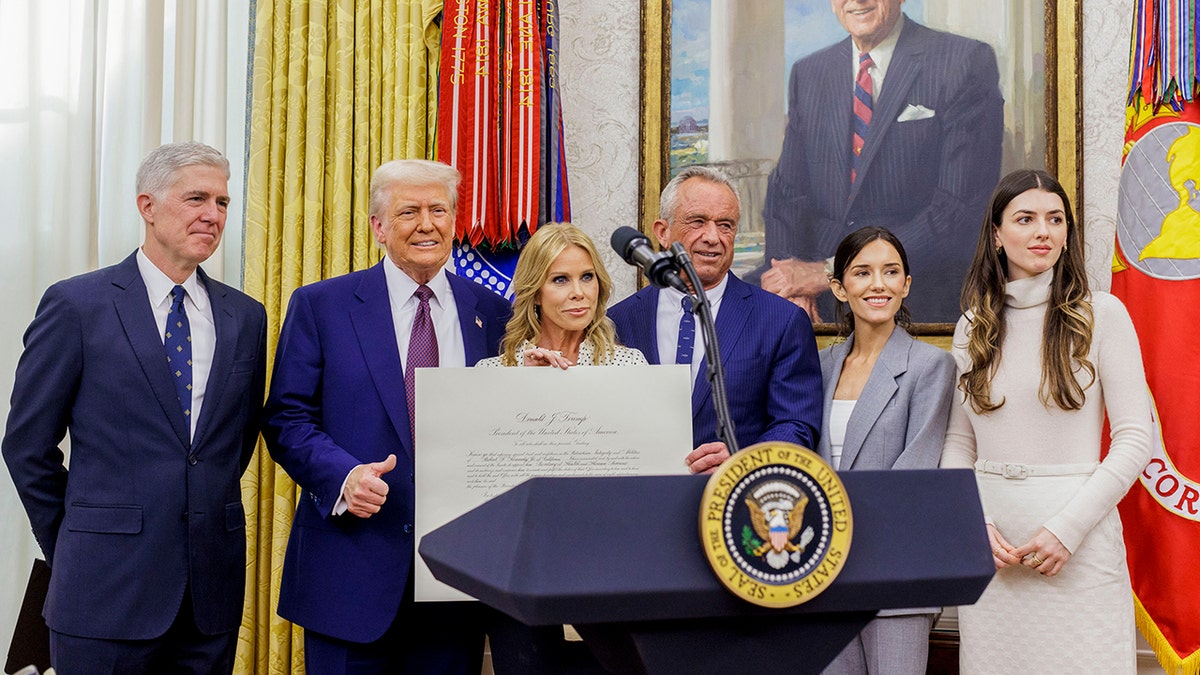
x=999, y=248
x=1064, y=247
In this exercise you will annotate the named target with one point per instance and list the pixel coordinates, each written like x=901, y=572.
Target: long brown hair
x=533, y=268
x=1067, y=330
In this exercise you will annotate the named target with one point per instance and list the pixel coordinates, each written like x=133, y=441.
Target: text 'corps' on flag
x=1156, y=273
x=500, y=118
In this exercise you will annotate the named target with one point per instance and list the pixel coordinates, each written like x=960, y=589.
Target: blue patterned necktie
x=177, y=339
x=687, y=333
x=422, y=351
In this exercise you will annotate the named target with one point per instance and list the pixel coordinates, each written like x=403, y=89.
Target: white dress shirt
x=670, y=310
x=881, y=56
x=839, y=419
x=200, y=320
x=442, y=311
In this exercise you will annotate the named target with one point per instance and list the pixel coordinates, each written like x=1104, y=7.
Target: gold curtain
x=338, y=87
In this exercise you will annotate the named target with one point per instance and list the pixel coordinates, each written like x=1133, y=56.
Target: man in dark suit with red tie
x=897, y=126
x=339, y=420
x=157, y=372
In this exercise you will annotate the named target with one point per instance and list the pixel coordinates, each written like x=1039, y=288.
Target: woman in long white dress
x=1041, y=360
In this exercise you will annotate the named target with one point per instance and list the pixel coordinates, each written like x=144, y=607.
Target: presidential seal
x=775, y=524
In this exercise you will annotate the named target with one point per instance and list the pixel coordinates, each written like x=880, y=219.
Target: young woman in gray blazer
x=887, y=399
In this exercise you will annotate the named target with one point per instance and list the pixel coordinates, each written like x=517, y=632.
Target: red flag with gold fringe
x=1156, y=273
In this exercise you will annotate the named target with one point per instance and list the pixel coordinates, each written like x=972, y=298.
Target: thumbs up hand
x=365, y=490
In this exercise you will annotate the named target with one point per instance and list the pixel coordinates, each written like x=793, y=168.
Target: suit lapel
x=642, y=320
x=731, y=319
x=226, y=327
x=646, y=317
x=837, y=357
x=840, y=85
x=376, y=334
x=137, y=320
x=471, y=323
x=880, y=388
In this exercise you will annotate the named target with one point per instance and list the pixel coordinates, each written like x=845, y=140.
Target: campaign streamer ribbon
x=522, y=118
x=500, y=119
x=467, y=134
x=557, y=201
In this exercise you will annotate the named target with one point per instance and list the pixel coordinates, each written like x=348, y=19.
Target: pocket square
x=915, y=112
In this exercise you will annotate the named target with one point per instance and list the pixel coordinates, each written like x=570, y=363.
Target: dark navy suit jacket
x=143, y=511
x=337, y=400
x=772, y=372
x=927, y=170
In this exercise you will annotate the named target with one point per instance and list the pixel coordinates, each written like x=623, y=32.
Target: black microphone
x=659, y=268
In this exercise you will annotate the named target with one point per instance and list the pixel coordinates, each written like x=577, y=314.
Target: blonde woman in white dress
x=1041, y=360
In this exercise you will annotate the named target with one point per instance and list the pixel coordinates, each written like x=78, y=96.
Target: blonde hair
x=533, y=268
x=1067, y=329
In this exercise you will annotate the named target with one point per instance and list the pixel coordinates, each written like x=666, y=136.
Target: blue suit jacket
x=143, y=510
x=337, y=400
x=899, y=421
x=928, y=180
x=772, y=374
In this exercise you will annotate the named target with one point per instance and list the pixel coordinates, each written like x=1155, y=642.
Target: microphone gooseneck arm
x=712, y=351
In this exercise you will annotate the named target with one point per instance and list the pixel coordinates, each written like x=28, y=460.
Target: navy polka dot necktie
x=687, y=333
x=177, y=339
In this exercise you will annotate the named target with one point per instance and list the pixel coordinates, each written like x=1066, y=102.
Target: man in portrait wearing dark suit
x=157, y=372
x=772, y=372
x=897, y=126
x=339, y=420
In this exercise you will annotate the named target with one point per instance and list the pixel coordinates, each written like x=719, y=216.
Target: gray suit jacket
x=900, y=419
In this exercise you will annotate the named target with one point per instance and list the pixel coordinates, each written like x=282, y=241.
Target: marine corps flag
x=499, y=118
x=1156, y=273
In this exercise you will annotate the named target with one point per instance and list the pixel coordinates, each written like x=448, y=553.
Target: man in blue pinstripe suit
x=772, y=372
x=930, y=158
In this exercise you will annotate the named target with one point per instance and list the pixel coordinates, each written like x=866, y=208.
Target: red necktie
x=422, y=350
x=862, y=109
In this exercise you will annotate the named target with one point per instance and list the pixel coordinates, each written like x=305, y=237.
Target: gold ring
x=1037, y=561
x=996, y=551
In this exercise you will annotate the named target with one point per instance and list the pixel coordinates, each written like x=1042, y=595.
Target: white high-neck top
x=1025, y=431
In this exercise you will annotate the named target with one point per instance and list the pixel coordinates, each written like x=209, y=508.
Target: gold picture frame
x=1063, y=118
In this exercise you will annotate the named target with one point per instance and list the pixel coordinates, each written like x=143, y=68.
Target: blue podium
x=621, y=560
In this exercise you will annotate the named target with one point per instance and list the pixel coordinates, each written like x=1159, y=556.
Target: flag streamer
x=500, y=118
